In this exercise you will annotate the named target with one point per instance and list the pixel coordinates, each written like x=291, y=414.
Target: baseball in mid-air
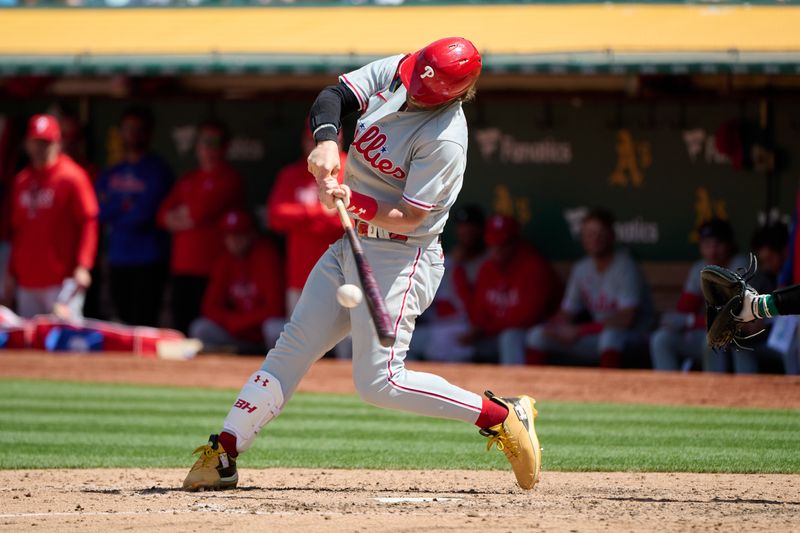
x=349, y=295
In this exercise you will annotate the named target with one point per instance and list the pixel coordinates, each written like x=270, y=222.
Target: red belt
x=362, y=228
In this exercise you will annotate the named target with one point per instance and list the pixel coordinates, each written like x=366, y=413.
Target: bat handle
x=343, y=216
x=386, y=335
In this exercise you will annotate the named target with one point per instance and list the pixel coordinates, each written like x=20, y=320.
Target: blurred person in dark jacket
x=129, y=194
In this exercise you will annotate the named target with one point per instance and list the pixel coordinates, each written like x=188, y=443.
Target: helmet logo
x=428, y=73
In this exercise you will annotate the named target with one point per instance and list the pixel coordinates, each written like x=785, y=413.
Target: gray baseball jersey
x=417, y=157
x=602, y=294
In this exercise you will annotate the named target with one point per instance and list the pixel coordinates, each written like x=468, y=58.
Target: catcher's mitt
x=724, y=292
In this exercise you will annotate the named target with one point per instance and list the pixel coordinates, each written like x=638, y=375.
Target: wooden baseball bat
x=372, y=293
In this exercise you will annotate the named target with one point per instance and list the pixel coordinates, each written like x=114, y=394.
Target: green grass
x=47, y=424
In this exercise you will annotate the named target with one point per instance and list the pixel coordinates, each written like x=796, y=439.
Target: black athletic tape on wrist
x=326, y=132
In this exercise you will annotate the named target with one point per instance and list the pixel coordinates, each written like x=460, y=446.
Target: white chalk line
x=416, y=500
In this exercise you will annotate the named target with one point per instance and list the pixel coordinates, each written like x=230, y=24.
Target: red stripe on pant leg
x=397, y=326
x=426, y=393
x=402, y=308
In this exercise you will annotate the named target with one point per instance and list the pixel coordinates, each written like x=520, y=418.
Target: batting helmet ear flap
x=442, y=71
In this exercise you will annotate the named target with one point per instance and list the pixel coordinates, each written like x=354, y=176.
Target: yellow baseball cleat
x=516, y=437
x=214, y=470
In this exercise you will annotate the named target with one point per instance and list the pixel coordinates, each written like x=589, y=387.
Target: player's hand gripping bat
x=372, y=293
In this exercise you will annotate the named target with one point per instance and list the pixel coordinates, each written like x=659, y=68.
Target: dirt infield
x=338, y=500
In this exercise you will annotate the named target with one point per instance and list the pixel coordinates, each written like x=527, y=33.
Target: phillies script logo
x=244, y=405
x=371, y=146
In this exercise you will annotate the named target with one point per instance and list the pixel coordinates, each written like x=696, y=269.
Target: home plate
x=415, y=500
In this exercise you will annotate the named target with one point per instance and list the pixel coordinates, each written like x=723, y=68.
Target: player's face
x=134, y=133
x=502, y=253
x=210, y=148
x=238, y=243
x=596, y=238
x=770, y=261
x=41, y=152
x=714, y=251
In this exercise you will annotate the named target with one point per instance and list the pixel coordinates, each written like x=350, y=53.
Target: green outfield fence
x=589, y=63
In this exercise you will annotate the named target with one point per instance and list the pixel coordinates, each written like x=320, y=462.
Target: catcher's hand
x=728, y=303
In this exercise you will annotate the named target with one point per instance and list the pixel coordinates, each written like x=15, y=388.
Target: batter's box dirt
x=356, y=500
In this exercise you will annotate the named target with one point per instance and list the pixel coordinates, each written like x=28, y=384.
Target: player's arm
x=325, y=120
x=433, y=176
x=399, y=218
x=784, y=301
x=351, y=94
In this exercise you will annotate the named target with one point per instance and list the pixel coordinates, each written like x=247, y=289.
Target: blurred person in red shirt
x=516, y=289
x=294, y=209
x=53, y=227
x=243, y=305
x=191, y=212
x=436, y=337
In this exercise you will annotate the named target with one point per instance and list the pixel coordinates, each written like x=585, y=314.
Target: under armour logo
x=258, y=380
x=428, y=72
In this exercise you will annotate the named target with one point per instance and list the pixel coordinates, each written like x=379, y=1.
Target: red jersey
x=515, y=294
x=53, y=224
x=293, y=208
x=244, y=291
x=207, y=195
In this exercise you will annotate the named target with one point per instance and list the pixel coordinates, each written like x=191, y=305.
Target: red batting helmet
x=442, y=71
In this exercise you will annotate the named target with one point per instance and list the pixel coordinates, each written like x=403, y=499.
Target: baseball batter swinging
x=404, y=172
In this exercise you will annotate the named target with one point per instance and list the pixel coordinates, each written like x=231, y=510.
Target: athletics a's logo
x=371, y=144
